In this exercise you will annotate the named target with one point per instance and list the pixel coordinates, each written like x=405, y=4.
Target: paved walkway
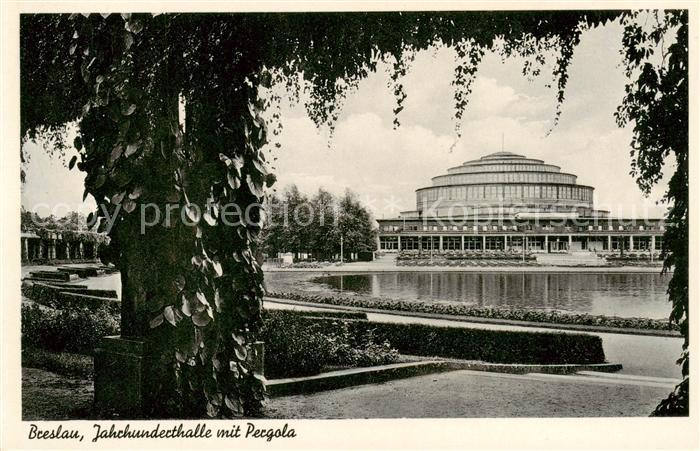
x=462, y=394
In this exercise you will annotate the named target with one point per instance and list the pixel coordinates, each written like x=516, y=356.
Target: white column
x=546, y=245
x=399, y=242
x=440, y=248
x=609, y=243
x=652, y=245
x=505, y=242
x=483, y=242
x=25, y=249
x=631, y=243
x=462, y=242
x=570, y=243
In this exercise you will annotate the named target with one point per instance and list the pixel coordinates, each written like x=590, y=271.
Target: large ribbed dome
x=504, y=183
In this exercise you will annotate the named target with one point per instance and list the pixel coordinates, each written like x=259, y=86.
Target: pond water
x=612, y=294
x=622, y=294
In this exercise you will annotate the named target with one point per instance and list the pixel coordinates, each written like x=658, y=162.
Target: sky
x=385, y=166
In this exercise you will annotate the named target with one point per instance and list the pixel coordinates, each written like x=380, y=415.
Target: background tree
x=321, y=222
x=296, y=221
x=272, y=236
x=322, y=230
x=192, y=286
x=355, y=225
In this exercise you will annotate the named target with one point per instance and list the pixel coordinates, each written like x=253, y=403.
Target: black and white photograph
x=244, y=219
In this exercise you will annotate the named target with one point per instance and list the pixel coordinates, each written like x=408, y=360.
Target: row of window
x=505, y=177
x=497, y=243
x=504, y=168
x=503, y=228
x=498, y=192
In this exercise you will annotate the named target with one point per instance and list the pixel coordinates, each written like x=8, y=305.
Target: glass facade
x=504, y=178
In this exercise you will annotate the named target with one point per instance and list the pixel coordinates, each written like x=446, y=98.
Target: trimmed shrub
x=495, y=346
x=456, y=309
x=61, y=297
x=67, y=364
x=78, y=330
x=297, y=344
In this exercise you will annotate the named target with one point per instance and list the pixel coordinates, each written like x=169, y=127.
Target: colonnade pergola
x=46, y=246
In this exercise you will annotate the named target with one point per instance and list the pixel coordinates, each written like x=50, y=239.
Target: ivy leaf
x=241, y=352
x=99, y=181
x=237, y=163
x=78, y=143
x=130, y=150
x=202, y=299
x=260, y=167
x=179, y=282
x=192, y=212
x=72, y=162
x=233, y=180
x=157, y=321
x=169, y=314
x=128, y=111
x=117, y=198
x=255, y=186
x=209, y=219
x=270, y=180
x=186, y=308
x=128, y=40
x=212, y=410
x=201, y=319
x=135, y=26
x=116, y=153
x=216, y=266
x=135, y=193
x=129, y=205
x=218, y=301
x=238, y=338
x=234, y=404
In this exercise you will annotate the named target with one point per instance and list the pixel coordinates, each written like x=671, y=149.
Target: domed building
x=505, y=184
x=506, y=201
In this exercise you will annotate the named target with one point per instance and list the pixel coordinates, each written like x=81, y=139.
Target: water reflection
x=625, y=295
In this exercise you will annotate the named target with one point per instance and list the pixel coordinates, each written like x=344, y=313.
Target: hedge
x=539, y=316
x=61, y=297
x=299, y=343
x=296, y=343
x=494, y=346
x=58, y=330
